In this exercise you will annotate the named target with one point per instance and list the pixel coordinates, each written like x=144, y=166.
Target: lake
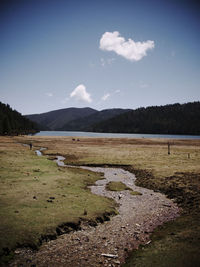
x=114, y=135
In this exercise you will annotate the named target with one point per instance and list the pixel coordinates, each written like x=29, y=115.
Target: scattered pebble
x=124, y=232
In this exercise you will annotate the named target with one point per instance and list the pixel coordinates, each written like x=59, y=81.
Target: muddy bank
x=108, y=243
x=183, y=187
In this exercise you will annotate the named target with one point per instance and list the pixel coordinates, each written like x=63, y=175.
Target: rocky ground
x=109, y=243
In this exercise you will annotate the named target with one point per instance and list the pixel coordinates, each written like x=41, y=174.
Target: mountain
x=86, y=123
x=56, y=119
x=168, y=119
x=12, y=122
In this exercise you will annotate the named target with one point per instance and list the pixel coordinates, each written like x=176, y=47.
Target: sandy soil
x=138, y=216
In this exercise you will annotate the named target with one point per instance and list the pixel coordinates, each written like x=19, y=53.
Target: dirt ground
x=176, y=175
x=109, y=243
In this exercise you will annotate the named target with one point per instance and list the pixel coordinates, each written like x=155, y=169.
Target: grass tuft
x=135, y=193
x=117, y=186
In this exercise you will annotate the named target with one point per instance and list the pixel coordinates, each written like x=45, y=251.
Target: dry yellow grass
x=148, y=154
x=176, y=174
x=38, y=199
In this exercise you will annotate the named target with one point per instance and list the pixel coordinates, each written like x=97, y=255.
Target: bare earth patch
x=108, y=243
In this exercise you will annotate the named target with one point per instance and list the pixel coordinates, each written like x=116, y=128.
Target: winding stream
x=108, y=243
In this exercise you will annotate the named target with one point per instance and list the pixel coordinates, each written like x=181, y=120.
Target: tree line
x=168, y=119
x=13, y=123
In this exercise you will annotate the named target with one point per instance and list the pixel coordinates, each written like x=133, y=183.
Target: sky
x=101, y=54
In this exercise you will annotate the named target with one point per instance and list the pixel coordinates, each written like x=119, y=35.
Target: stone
x=109, y=256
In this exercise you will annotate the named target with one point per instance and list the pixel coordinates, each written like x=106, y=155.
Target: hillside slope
x=56, y=119
x=86, y=123
x=168, y=119
x=12, y=122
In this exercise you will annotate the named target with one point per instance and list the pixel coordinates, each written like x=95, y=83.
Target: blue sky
x=59, y=54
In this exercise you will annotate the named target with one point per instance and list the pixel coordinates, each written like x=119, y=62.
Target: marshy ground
x=25, y=197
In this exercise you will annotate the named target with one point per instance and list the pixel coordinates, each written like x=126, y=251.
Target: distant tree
x=12, y=122
x=6, y=126
x=169, y=119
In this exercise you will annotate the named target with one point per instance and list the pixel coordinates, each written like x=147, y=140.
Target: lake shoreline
x=114, y=135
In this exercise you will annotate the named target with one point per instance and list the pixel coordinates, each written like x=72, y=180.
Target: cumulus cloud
x=80, y=93
x=131, y=50
x=105, y=97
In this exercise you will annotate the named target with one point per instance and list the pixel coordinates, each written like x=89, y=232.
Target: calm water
x=114, y=135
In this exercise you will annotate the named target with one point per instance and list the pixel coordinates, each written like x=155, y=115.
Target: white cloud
x=143, y=85
x=105, y=97
x=131, y=50
x=80, y=93
x=105, y=62
x=117, y=91
x=49, y=94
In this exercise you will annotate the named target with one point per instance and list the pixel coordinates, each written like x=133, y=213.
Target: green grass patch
x=135, y=193
x=117, y=186
x=174, y=244
x=38, y=199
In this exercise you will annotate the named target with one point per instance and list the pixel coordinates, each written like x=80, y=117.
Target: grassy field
x=177, y=175
x=144, y=154
x=38, y=200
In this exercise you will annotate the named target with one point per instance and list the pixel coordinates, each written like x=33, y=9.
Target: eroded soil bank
x=108, y=243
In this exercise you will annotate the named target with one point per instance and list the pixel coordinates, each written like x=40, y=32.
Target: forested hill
x=12, y=122
x=73, y=119
x=169, y=119
x=84, y=123
x=56, y=119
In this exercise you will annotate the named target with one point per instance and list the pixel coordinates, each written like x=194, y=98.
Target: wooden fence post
x=168, y=148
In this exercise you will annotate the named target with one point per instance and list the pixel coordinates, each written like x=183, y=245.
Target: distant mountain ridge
x=168, y=119
x=86, y=123
x=73, y=119
x=56, y=119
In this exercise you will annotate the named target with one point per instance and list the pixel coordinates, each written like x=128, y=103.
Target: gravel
x=138, y=216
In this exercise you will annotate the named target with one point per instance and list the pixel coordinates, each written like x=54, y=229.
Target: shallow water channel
x=108, y=243
x=138, y=216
